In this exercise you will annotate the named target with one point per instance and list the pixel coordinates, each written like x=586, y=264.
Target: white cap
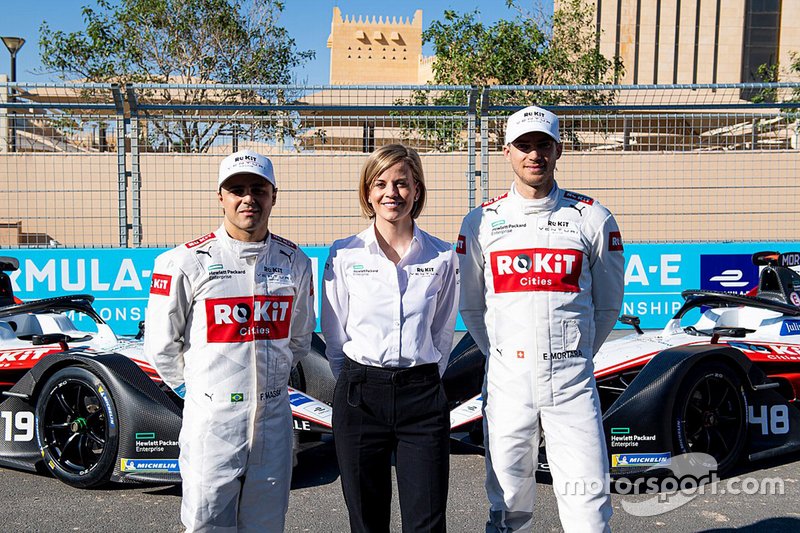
x=246, y=162
x=531, y=119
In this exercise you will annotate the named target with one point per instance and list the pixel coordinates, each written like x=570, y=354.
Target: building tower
x=370, y=51
x=697, y=41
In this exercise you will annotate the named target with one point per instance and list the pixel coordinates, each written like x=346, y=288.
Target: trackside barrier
x=699, y=176
x=98, y=165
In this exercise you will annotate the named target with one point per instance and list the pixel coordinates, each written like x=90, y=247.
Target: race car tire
x=76, y=427
x=710, y=414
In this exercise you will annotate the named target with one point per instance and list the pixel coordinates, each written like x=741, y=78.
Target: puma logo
x=579, y=210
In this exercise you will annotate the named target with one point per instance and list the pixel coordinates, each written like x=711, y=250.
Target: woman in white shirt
x=389, y=304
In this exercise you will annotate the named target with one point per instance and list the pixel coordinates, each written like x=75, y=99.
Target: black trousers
x=378, y=412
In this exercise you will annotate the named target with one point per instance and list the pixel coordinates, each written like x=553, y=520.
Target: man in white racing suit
x=542, y=282
x=228, y=316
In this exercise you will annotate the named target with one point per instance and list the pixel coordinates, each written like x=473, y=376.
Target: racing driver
x=229, y=314
x=542, y=282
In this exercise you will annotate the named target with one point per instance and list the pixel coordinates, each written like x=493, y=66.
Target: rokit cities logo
x=536, y=269
x=246, y=319
x=424, y=271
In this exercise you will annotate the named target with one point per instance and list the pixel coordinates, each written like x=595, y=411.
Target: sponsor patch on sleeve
x=614, y=241
x=461, y=245
x=201, y=240
x=160, y=284
x=283, y=241
x=578, y=197
x=493, y=200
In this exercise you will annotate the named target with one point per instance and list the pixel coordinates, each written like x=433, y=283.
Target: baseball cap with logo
x=531, y=119
x=246, y=162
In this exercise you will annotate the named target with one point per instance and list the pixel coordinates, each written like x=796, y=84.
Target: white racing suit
x=541, y=288
x=229, y=319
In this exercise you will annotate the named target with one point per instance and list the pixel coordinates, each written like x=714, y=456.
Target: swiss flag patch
x=614, y=241
x=160, y=284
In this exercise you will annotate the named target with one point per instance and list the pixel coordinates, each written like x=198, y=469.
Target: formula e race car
x=86, y=406
x=722, y=378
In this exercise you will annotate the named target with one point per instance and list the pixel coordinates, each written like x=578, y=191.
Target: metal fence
x=102, y=165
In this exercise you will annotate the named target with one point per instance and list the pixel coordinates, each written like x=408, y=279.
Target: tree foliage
x=773, y=73
x=179, y=41
x=528, y=49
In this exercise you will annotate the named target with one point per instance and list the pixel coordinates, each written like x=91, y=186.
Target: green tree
x=772, y=73
x=529, y=49
x=182, y=41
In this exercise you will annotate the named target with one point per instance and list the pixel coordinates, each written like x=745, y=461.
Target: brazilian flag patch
x=237, y=397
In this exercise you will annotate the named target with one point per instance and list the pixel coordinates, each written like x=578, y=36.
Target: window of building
x=761, y=37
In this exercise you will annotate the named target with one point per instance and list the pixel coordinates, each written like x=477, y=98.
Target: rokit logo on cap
x=246, y=319
x=537, y=269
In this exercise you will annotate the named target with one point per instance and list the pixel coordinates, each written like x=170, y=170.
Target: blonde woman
x=390, y=297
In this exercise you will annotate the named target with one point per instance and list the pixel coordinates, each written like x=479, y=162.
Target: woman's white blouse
x=381, y=314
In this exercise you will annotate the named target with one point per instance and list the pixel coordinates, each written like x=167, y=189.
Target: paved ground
x=37, y=503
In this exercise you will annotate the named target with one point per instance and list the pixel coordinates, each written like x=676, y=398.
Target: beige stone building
x=698, y=41
x=371, y=51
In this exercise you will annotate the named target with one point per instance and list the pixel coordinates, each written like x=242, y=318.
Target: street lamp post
x=13, y=44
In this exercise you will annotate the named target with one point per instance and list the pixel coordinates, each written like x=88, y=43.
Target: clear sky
x=308, y=21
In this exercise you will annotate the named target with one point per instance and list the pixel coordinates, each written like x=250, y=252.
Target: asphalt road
x=38, y=503
x=33, y=502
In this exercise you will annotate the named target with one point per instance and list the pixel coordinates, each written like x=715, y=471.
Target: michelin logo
x=640, y=459
x=149, y=465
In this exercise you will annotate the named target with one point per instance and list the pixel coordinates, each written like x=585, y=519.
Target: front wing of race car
x=138, y=440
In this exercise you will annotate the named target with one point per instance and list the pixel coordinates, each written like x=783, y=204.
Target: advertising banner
x=119, y=278
x=656, y=274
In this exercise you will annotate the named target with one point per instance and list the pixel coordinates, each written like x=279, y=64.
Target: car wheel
x=76, y=427
x=710, y=414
